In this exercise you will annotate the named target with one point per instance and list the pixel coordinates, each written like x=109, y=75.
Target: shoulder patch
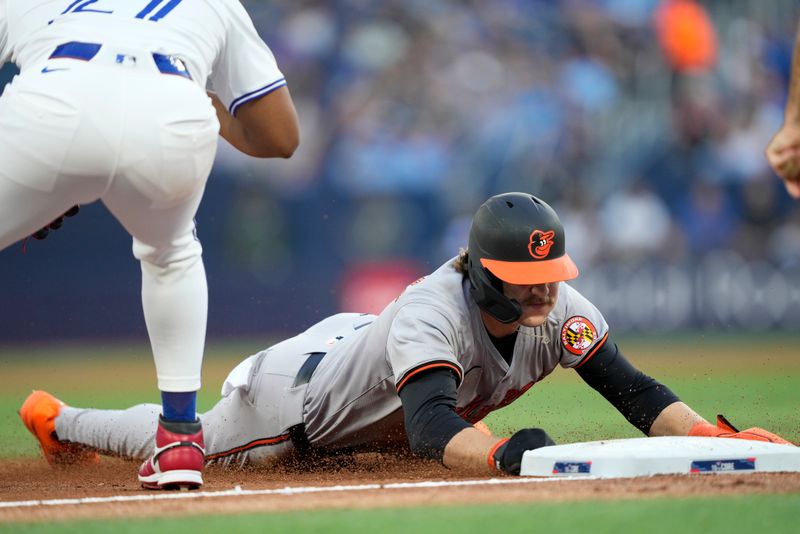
x=578, y=334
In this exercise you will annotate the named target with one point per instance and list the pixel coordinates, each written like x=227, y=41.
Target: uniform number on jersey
x=82, y=6
x=161, y=13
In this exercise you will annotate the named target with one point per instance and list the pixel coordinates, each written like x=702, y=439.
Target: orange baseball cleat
x=39, y=412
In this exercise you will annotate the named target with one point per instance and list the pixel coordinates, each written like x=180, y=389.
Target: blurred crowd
x=415, y=111
x=643, y=122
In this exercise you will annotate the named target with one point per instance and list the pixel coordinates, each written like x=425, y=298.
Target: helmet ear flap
x=489, y=298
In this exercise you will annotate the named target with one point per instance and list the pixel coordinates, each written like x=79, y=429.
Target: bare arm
x=265, y=128
x=675, y=420
x=469, y=451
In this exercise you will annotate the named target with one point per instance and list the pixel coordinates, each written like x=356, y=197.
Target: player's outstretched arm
x=437, y=432
x=473, y=450
x=649, y=405
x=266, y=127
x=470, y=450
x=677, y=419
x=637, y=396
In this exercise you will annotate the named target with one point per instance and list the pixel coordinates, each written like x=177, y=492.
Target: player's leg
x=171, y=142
x=251, y=423
x=236, y=432
x=128, y=433
x=131, y=433
x=175, y=302
x=174, y=290
x=239, y=432
x=155, y=198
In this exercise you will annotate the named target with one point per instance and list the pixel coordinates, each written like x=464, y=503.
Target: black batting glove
x=56, y=224
x=508, y=457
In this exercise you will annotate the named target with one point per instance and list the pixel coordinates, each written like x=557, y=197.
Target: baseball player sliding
x=462, y=342
x=111, y=104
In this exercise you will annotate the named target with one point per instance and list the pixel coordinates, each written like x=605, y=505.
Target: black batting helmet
x=515, y=238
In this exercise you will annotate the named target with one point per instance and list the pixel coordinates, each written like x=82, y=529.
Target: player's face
x=537, y=301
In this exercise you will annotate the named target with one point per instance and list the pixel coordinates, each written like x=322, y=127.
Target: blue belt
x=87, y=51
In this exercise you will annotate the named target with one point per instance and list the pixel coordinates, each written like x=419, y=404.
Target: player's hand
x=783, y=155
x=56, y=224
x=508, y=457
x=724, y=429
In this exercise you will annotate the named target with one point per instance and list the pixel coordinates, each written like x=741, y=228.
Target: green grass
x=570, y=411
x=762, y=513
x=754, y=381
x=95, y=375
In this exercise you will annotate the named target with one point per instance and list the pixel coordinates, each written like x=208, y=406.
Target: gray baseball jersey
x=351, y=400
x=436, y=323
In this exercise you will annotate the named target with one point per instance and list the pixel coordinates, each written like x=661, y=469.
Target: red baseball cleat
x=178, y=459
x=39, y=412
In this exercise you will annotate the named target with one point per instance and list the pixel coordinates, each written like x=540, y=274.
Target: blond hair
x=461, y=263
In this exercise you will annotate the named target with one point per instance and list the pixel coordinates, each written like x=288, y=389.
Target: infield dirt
x=22, y=480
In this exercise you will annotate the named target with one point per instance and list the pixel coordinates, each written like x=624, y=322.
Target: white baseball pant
x=143, y=142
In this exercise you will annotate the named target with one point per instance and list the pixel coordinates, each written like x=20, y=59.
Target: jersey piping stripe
x=261, y=442
x=258, y=93
x=593, y=351
x=426, y=367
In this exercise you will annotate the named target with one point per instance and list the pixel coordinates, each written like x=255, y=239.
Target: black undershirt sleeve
x=429, y=403
x=637, y=396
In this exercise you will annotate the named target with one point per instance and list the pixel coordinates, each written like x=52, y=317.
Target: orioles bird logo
x=540, y=244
